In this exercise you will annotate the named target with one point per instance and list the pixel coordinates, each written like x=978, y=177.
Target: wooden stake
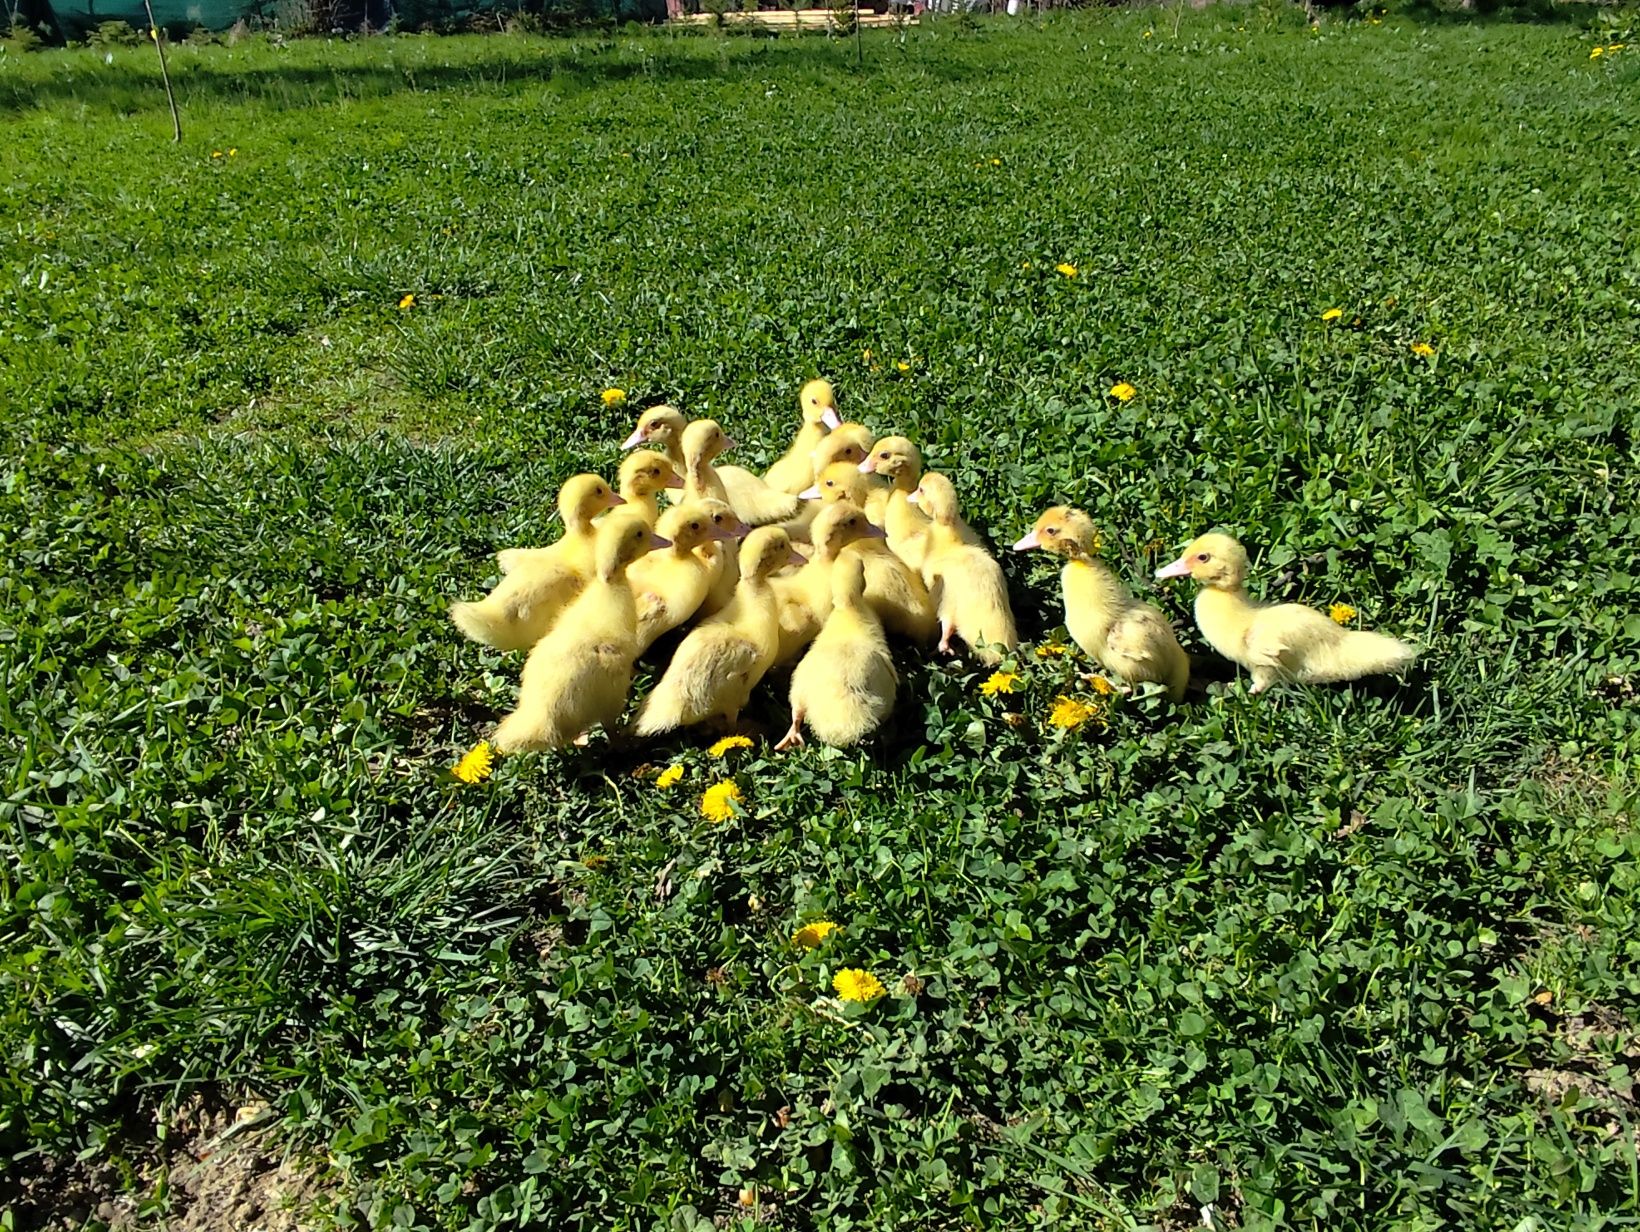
x=165, y=73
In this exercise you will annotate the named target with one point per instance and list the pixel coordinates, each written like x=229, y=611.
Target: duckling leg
x=1261, y=680
x=793, y=738
x=946, y=630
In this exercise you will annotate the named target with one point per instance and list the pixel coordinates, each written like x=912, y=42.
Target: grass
x=1357, y=957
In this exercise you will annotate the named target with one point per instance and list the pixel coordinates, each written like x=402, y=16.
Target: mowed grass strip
x=1358, y=957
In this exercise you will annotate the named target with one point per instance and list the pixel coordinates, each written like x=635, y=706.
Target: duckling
x=723, y=556
x=896, y=459
x=795, y=471
x=893, y=590
x=717, y=665
x=969, y=592
x=805, y=596
x=1283, y=642
x=541, y=581
x=1122, y=635
x=644, y=475
x=844, y=687
x=846, y=446
x=663, y=428
x=578, y=675
x=670, y=586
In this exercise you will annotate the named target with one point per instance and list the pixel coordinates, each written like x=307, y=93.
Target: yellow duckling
x=805, y=596
x=795, y=470
x=1122, y=635
x=644, y=475
x=897, y=460
x=717, y=665
x=671, y=585
x=1283, y=642
x=846, y=446
x=578, y=675
x=844, y=687
x=969, y=592
x=663, y=428
x=541, y=581
x=893, y=590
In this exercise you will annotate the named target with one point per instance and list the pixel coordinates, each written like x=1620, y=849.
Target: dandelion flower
x=1066, y=268
x=1051, y=650
x=722, y=747
x=1000, y=682
x=902, y=365
x=613, y=397
x=1150, y=33
x=233, y=152
x=1342, y=613
x=1123, y=392
x=669, y=777
x=216, y=153
x=996, y=162
x=865, y=355
x=1596, y=53
x=476, y=764
x=153, y=33
x=1332, y=314
x=1101, y=686
x=716, y=804
x=811, y=935
x=1070, y=714
x=853, y=984
x=409, y=301
x=1423, y=349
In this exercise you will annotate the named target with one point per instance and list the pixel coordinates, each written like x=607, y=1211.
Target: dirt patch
x=220, y=1170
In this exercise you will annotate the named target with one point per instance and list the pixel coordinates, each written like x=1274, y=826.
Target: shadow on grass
x=132, y=83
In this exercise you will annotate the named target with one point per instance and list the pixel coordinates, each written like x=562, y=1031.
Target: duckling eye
x=1052, y=530
x=1204, y=557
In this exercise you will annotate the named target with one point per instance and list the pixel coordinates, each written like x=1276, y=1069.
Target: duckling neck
x=1090, y=587
x=1224, y=614
x=808, y=439
x=644, y=504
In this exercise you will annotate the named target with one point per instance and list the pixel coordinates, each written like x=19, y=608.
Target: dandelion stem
x=164, y=72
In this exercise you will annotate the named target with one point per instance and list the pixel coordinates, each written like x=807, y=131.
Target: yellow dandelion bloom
x=1066, y=268
x=1123, y=392
x=1597, y=53
x=865, y=355
x=1052, y=650
x=613, y=397
x=996, y=162
x=1070, y=714
x=233, y=152
x=811, y=935
x=1332, y=314
x=902, y=365
x=1101, y=686
x=722, y=747
x=1423, y=349
x=669, y=777
x=1615, y=47
x=718, y=802
x=853, y=984
x=1342, y=613
x=409, y=301
x=216, y=153
x=1000, y=682
x=476, y=764
x=1150, y=34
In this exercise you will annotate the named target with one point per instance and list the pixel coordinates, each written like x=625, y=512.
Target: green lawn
x=1336, y=958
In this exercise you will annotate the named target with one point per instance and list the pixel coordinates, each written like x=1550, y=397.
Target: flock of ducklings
x=841, y=541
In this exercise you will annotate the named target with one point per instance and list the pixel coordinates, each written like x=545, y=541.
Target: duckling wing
x=510, y=559
x=754, y=501
x=1138, y=643
x=1284, y=636
x=717, y=674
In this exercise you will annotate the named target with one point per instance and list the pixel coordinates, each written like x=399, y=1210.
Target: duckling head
x=819, y=403
x=1063, y=531
x=765, y=550
x=622, y=538
x=839, y=481
x=688, y=526
x=583, y=498
x=659, y=425
x=703, y=440
x=840, y=524
x=848, y=580
x=894, y=457
x=1213, y=560
x=848, y=442
x=647, y=471
x=937, y=497
x=725, y=525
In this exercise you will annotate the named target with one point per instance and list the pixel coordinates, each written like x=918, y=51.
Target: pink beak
x=616, y=500
x=633, y=441
x=1179, y=568
x=812, y=492
x=729, y=442
x=1032, y=540
x=869, y=466
x=912, y=498
x=676, y=481
x=796, y=559
x=831, y=418
x=873, y=531
x=723, y=534
x=656, y=541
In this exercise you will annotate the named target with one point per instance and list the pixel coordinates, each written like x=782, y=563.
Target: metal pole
x=165, y=73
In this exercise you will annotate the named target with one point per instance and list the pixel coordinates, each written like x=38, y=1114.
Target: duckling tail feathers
x=1357, y=653
x=490, y=624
